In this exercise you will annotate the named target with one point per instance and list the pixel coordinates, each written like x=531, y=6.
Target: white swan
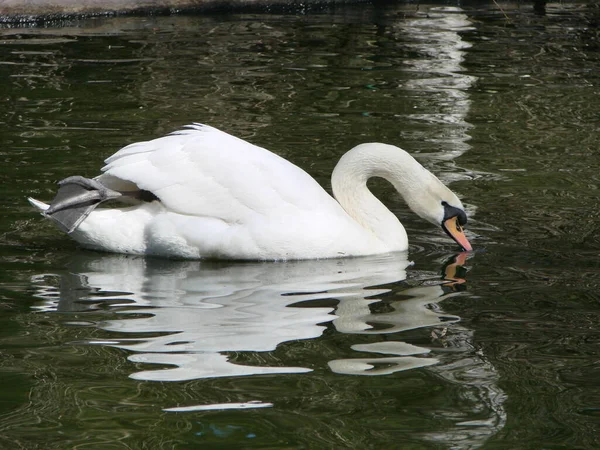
x=200, y=192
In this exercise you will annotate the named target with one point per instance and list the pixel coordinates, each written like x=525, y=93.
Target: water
x=395, y=351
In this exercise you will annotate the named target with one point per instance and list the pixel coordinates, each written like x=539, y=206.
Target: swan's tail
x=76, y=198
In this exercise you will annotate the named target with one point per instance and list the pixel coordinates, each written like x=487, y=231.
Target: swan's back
x=202, y=171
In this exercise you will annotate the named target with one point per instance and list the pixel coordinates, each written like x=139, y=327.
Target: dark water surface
x=108, y=352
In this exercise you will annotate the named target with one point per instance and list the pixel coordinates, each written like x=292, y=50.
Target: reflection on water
x=193, y=314
x=440, y=75
x=198, y=317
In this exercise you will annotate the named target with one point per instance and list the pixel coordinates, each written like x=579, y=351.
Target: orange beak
x=455, y=231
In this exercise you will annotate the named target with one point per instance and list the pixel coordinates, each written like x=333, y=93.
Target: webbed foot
x=76, y=198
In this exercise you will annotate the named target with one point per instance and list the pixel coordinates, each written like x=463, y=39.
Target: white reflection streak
x=354, y=316
x=220, y=406
x=439, y=74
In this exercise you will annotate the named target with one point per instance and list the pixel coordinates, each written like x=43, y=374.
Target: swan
x=202, y=193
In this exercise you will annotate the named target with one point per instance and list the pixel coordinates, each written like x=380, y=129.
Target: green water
x=104, y=351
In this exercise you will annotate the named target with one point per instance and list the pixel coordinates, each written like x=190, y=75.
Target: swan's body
x=213, y=195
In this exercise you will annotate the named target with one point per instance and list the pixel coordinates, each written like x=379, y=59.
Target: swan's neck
x=349, y=185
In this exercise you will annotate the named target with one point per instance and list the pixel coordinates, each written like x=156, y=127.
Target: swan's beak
x=455, y=231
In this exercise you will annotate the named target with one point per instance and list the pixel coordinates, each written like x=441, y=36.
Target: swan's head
x=453, y=222
x=440, y=206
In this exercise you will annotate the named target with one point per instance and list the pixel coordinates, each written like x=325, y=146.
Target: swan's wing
x=202, y=171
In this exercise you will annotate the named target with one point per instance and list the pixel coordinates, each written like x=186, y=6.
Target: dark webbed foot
x=76, y=198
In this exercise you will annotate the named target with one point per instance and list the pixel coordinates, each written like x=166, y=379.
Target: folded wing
x=203, y=171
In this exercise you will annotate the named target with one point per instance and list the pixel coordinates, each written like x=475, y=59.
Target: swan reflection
x=193, y=314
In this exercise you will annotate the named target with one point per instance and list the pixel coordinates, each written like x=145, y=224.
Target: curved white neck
x=349, y=185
